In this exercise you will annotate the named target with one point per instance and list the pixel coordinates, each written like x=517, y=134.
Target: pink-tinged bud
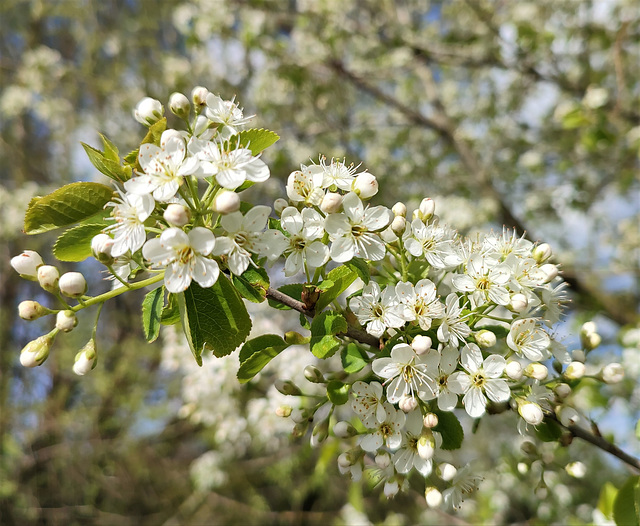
x=407, y=404
x=514, y=370
x=430, y=420
x=27, y=263
x=541, y=253
x=575, y=371
x=177, y=215
x=313, y=374
x=421, y=344
x=519, y=302
x=398, y=225
x=284, y=411
x=199, y=97
x=66, y=320
x=446, y=471
x=536, y=371
x=612, y=373
x=426, y=446
x=37, y=351
x=331, y=203
x=31, y=310
x=226, y=202
x=485, y=339
x=551, y=272
x=365, y=185
x=427, y=209
x=530, y=412
x=399, y=209
x=568, y=416
x=101, y=246
x=148, y=111
x=179, y=105
x=383, y=460
x=86, y=359
x=344, y=429
x=433, y=497
x=73, y=284
x=562, y=390
x=48, y=277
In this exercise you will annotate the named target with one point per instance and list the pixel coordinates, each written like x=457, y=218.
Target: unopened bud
x=284, y=411
x=177, y=215
x=541, y=253
x=519, y=302
x=101, y=246
x=591, y=341
x=612, y=373
x=427, y=209
x=31, y=310
x=199, y=97
x=148, y=111
x=300, y=429
x=383, y=460
x=345, y=460
x=391, y=487
x=399, y=209
x=365, y=185
x=37, y=351
x=529, y=449
x=320, y=432
x=430, y=420
x=514, y=370
x=536, y=371
x=578, y=355
x=66, y=320
x=313, y=374
x=426, y=446
x=523, y=468
x=179, y=105
x=279, y=205
x=331, y=203
x=574, y=371
x=344, y=429
x=588, y=327
x=287, y=387
x=421, y=344
x=48, y=277
x=398, y=225
x=576, y=469
x=407, y=403
x=27, y=263
x=433, y=497
x=226, y=202
x=568, y=416
x=485, y=339
x=295, y=338
x=72, y=284
x=388, y=236
x=446, y=471
x=562, y=390
x=301, y=415
x=530, y=412
x=86, y=359
x=551, y=272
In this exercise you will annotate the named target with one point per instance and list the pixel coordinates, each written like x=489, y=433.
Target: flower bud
x=86, y=359
x=320, y=433
x=73, y=284
x=31, y=310
x=551, y=272
x=514, y=370
x=287, y=387
x=148, y=111
x=399, y=209
x=536, y=371
x=612, y=373
x=301, y=415
x=388, y=236
x=48, y=277
x=485, y=339
x=519, y=302
x=66, y=320
x=331, y=203
x=295, y=338
x=344, y=429
x=284, y=411
x=588, y=327
x=433, y=497
x=426, y=446
x=27, y=263
x=430, y=420
x=279, y=205
x=345, y=460
x=421, y=344
x=541, y=253
x=37, y=351
x=407, y=403
x=391, y=488
x=523, y=468
x=199, y=97
x=101, y=246
x=383, y=460
x=365, y=185
x=530, y=412
x=529, y=449
x=591, y=341
x=313, y=374
x=568, y=416
x=574, y=371
x=398, y=225
x=576, y=469
x=300, y=429
x=578, y=355
x=562, y=390
x=177, y=215
x=179, y=105
x=446, y=471
x=226, y=202
x=427, y=209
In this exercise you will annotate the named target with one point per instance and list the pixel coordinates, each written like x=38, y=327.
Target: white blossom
x=528, y=340
x=420, y=303
x=130, y=211
x=305, y=231
x=377, y=311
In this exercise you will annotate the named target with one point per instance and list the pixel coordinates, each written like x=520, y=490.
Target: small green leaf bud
x=433, y=497
x=541, y=253
x=48, y=277
x=226, y=202
x=331, y=203
x=287, y=387
x=399, y=209
x=27, y=263
x=66, y=320
x=344, y=429
x=148, y=111
x=32, y=310
x=365, y=185
x=313, y=374
x=73, y=284
x=101, y=246
x=179, y=105
x=295, y=338
x=485, y=339
x=177, y=215
x=37, y=351
x=86, y=359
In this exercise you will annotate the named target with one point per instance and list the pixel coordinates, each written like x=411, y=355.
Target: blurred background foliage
x=522, y=114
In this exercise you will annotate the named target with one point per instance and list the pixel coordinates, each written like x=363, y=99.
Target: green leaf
x=214, y=319
x=106, y=165
x=607, y=498
x=66, y=206
x=257, y=353
x=110, y=149
x=294, y=290
x=155, y=132
x=638, y=429
x=338, y=392
x=75, y=243
x=341, y=277
x=353, y=359
x=255, y=139
x=548, y=431
x=253, y=284
x=626, y=508
x=171, y=311
x=152, y=312
x=360, y=267
x=450, y=429
x=324, y=327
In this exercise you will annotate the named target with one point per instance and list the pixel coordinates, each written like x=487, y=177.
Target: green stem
x=116, y=292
